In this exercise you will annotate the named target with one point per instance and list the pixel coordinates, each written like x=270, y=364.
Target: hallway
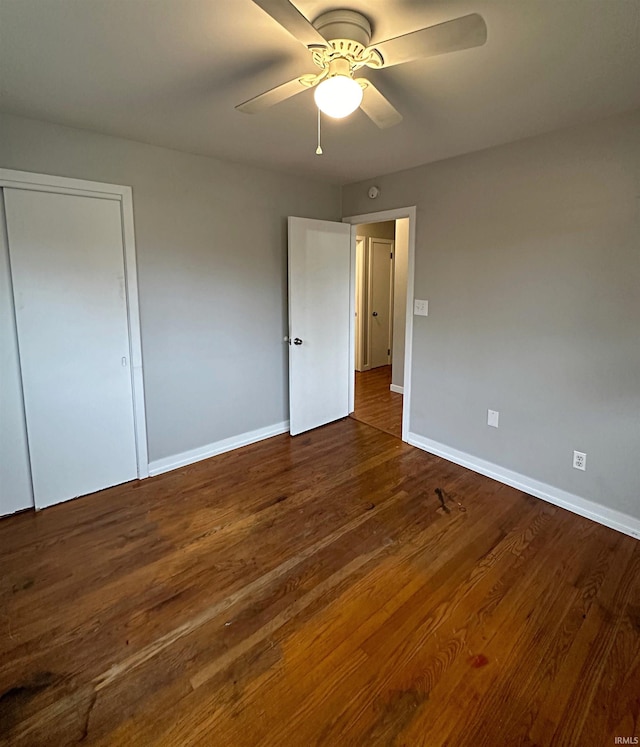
x=375, y=403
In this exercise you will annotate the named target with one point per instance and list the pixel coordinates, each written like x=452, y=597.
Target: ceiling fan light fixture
x=338, y=96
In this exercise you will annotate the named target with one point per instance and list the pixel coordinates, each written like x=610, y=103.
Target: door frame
x=378, y=217
x=359, y=364
x=122, y=194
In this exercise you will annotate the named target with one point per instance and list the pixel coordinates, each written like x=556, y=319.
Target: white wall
x=211, y=250
x=529, y=255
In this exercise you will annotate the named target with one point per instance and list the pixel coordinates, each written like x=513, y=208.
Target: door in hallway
x=380, y=301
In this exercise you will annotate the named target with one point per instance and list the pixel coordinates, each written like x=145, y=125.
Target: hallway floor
x=376, y=404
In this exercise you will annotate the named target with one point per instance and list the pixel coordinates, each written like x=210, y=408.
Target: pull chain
x=319, y=148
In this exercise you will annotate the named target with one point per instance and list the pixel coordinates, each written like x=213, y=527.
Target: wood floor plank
x=422, y=641
x=357, y=625
x=535, y=638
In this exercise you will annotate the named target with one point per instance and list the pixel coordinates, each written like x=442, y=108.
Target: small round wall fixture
x=374, y=192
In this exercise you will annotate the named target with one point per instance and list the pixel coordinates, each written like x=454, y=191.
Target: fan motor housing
x=344, y=24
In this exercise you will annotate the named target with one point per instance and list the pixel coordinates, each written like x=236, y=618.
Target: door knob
x=297, y=341
x=375, y=313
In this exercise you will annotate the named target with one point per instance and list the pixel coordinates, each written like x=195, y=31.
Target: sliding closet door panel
x=67, y=265
x=15, y=475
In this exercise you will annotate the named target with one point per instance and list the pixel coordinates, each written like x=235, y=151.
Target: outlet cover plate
x=492, y=418
x=420, y=308
x=580, y=460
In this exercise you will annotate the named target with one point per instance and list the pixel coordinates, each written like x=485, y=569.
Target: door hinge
x=388, y=351
x=391, y=255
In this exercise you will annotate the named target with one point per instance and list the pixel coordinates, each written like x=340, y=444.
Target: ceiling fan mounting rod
x=339, y=66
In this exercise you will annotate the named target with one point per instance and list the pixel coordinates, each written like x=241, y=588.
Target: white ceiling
x=169, y=72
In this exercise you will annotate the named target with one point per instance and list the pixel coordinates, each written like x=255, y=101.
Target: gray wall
x=211, y=249
x=529, y=254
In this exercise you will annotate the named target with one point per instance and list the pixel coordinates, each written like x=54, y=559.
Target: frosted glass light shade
x=338, y=96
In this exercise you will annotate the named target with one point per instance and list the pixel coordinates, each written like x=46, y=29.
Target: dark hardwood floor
x=314, y=591
x=375, y=403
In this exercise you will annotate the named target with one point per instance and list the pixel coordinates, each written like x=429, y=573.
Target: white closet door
x=67, y=265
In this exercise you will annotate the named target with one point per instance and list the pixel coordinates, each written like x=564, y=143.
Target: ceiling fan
x=340, y=45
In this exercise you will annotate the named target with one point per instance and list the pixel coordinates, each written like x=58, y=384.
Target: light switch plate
x=492, y=418
x=420, y=308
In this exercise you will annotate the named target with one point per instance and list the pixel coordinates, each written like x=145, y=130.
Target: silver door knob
x=297, y=341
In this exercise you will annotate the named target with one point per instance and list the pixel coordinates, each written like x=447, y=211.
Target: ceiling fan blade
x=451, y=36
x=379, y=110
x=290, y=18
x=280, y=93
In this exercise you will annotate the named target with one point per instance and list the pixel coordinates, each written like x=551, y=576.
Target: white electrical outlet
x=580, y=460
x=420, y=308
x=492, y=418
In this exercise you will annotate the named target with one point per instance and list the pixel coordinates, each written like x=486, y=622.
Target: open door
x=319, y=322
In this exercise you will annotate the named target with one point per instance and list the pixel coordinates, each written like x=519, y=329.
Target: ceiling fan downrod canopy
x=347, y=35
x=344, y=24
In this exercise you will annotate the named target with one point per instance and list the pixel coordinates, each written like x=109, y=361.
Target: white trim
x=60, y=184
x=394, y=214
x=135, y=339
x=123, y=194
x=219, y=447
x=396, y=388
x=609, y=517
x=358, y=313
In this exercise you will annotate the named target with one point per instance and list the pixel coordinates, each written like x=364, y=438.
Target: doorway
x=383, y=245
x=331, y=294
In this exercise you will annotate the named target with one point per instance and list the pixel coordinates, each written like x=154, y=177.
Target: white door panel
x=319, y=316
x=67, y=266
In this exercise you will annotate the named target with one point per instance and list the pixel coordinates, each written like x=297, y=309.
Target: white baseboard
x=396, y=388
x=219, y=447
x=582, y=506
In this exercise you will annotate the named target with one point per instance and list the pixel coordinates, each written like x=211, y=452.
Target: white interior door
x=380, y=301
x=67, y=266
x=320, y=322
